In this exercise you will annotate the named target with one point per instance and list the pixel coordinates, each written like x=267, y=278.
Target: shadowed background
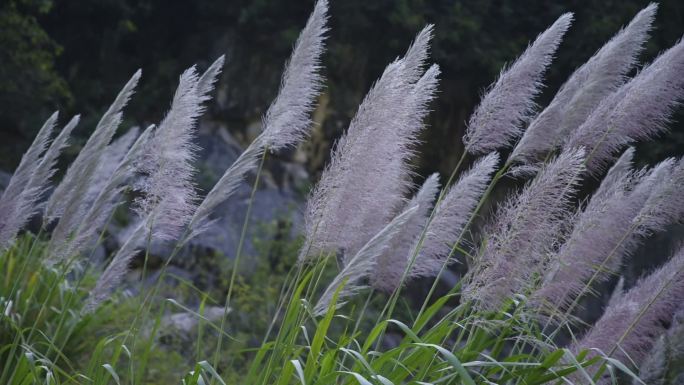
x=75, y=56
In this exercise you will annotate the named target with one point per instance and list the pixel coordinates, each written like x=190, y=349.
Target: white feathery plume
x=117, y=269
x=363, y=262
x=617, y=293
x=665, y=204
x=443, y=229
x=602, y=74
x=107, y=198
x=639, y=109
x=653, y=370
x=226, y=186
x=46, y=168
x=113, y=184
x=509, y=103
x=368, y=175
x=38, y=184
x=603, y=235
x=451, y=216
x=397, y=175
x=169, y=199
x=66, y=201
x=617, y=173
x=30, y=159
x=22, y=175
x=27, y=185
x=523, y=233
x=392, y=263
x=409, y=125
x=417, y=54
x=167, y=166
x=120, y=175
x=524, y=171
x=207, y=81
x=599, y=230
x=287, y=120
x=77, y=179
x=335, y=200
x=113, y=154
x=630, y=325
x=665, y=358
x=414, y=109
x=658, y=90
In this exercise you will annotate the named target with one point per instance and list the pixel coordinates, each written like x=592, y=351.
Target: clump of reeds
x=541, y=254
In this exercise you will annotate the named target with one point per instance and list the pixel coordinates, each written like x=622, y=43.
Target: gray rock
x=186, y=322
x=268, y=206
x=276, y=199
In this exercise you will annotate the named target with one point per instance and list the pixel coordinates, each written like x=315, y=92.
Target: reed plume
x=166, y=168
x=287, y=121
x=509, y=102
x=65, y=202
x=602, y=74
x=639, y=109
x=452, y=215
x=602, y=236
x=662, y=365
x=392, y=263
x=20, y=200
x=631, y=324
x=361, y=264
x=524, y=232
x=81, y=170
x=368, y=175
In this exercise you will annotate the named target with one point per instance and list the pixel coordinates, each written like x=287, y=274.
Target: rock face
x=268, y=206
x=276, y=198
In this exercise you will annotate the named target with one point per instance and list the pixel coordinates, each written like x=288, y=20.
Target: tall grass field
x=358, y=297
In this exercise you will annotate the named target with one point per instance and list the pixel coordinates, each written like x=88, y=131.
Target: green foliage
x=29, y=81
x=41, y=319
x=44, y=336
x=457, y=347
x=270, y=334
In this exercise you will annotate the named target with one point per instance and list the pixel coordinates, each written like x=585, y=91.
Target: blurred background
x=74, y=56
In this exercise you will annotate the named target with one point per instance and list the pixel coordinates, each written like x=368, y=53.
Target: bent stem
x=388, y=309
x=25, y=265
x=290, y=287
x=79, y=282
x=455, y=247
x=587, y=287
x=236, y=261
x=635, y=321
x=643, y=311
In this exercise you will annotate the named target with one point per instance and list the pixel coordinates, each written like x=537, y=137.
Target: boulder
x=186, y=322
